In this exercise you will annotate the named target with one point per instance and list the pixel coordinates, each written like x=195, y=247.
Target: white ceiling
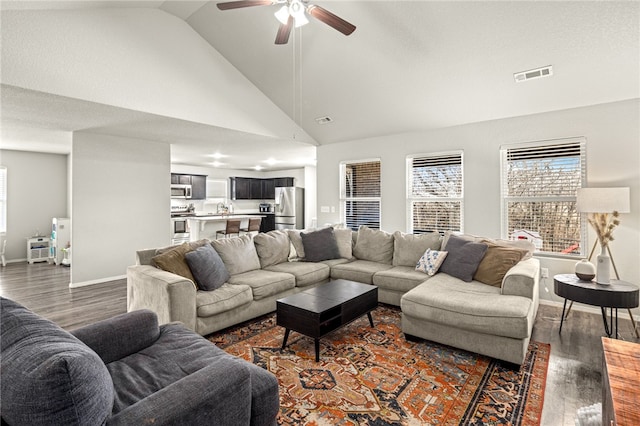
x=409, y=66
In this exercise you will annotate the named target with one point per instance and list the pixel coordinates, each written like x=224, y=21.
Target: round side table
x=617, y=295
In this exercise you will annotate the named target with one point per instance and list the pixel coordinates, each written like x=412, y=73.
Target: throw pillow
x=320, y=245
x=463, y=258
x=344, y=238
x=430, y=261
x=272, y=247
x=238, y=254
x=296, y=241
x=207, y=268
x=173, y=259
x=497, y=262
x=374, y=245
x=407, y=248
x=49, y=377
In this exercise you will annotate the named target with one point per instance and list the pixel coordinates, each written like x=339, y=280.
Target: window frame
x=343, y=190
x=411, y=199
x=504, y=198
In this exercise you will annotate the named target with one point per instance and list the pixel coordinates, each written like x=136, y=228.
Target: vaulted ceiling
x=409, y=66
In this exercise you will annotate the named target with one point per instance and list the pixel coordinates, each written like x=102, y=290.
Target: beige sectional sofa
x=495, y=320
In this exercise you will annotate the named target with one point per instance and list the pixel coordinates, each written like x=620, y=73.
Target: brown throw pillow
x=496, y=263
x=173, y=260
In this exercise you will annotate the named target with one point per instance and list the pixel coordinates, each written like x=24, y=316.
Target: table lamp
x=603, y=206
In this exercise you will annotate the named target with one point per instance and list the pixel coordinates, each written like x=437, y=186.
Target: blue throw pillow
x=463, y=258
x=207, y=268
x=320, y=245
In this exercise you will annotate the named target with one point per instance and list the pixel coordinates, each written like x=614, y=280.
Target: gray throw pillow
x=409, y=248
x=238, y=254
x=272, y=247
x=320, y=245
x=463, y=258
x=207, y=268
x=49, y=377
x=374, y=245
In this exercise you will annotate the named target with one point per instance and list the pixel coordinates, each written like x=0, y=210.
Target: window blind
x=539, y=184
x=436, y=192
x=361, y=194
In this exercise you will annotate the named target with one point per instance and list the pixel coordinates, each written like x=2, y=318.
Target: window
x=539, y=184
x=360, y=193
x=3, y=199
x=435, y=192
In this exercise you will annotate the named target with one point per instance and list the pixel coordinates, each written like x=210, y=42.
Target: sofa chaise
x=488, y=307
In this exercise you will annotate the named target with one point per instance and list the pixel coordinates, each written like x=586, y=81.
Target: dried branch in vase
x=604, y=224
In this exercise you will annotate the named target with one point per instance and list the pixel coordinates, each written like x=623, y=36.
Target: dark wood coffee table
x=322, y=309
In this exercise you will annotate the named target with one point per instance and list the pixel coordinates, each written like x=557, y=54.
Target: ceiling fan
x=293, y=14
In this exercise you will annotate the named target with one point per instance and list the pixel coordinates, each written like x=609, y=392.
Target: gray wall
x=37, y=192
x=120, y=192
x=612, y=132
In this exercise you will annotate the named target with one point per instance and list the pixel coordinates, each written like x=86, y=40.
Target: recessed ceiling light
x=258, y=168
x=531, y=74
x=217, y=164
x=217, y=155
x=324, y=120
x=271, y=161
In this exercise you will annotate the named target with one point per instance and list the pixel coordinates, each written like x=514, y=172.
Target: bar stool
x=233, y=227
x=253, y=226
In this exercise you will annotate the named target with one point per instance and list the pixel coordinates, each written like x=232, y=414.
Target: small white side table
x=38, y=249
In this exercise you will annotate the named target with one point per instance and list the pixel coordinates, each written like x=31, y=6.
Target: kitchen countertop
x=212, y=216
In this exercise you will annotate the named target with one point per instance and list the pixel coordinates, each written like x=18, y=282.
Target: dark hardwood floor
x=574, y=379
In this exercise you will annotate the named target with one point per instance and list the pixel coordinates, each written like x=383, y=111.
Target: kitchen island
x=206, y=225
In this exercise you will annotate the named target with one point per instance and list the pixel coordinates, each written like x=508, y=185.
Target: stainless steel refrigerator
x=289, y=208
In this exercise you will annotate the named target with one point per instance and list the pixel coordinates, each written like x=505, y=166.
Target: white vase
x=603, y=267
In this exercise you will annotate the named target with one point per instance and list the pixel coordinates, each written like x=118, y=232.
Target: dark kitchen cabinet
x=255, y=189
x=198, y=187
x=240, y=188
x=268, y=223
x=283, y=182
x=268, y=189
x=180, y=179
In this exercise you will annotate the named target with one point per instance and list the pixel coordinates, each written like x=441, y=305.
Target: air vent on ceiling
x=324, y=120
x=532, y=74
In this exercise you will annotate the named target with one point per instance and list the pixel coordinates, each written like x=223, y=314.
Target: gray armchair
x=125, y=370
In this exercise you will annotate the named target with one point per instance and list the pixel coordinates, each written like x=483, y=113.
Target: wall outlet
x=324, y=209
x=544, y=272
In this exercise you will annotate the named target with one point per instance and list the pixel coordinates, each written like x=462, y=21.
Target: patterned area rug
x=376, y=377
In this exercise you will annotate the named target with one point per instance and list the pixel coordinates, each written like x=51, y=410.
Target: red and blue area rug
x=374, y=376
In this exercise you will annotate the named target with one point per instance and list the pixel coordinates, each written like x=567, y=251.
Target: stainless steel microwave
x=180, y=191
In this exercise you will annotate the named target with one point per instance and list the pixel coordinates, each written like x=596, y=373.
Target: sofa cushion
x=408, y=248
x=238, y=254
x=333, y=262
x=470, y=306
x=345, y=242
x=361, y=271
x=171, y=259
x=264, y=283
x=320, y=245
x=48, y=375
x=431, y=261
x=207, y=268
x=399, y=278
x=272, y=247
x=374, y=245
x=306, y=273
x=496, y=263
x=223, y=299
x=463, y=258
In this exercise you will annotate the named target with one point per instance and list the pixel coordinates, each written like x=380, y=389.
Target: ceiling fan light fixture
x=282, y=14
x=297, y=10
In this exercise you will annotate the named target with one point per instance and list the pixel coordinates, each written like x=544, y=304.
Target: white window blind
x=360, y=194
x=435, y=195
x=539, y=184
x=3, y=199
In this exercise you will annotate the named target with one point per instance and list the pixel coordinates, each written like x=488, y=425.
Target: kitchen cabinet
x=283, y=182
x=268, y=189
x=180, y=179
x=268, y=223
x=198, y=187
x=255, y=189
x=240, y=188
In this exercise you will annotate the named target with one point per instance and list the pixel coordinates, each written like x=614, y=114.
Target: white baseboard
x=98, y=281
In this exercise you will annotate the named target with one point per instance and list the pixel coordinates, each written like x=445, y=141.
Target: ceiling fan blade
x=242, y=3
x=283, y=32
x=330, y=19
